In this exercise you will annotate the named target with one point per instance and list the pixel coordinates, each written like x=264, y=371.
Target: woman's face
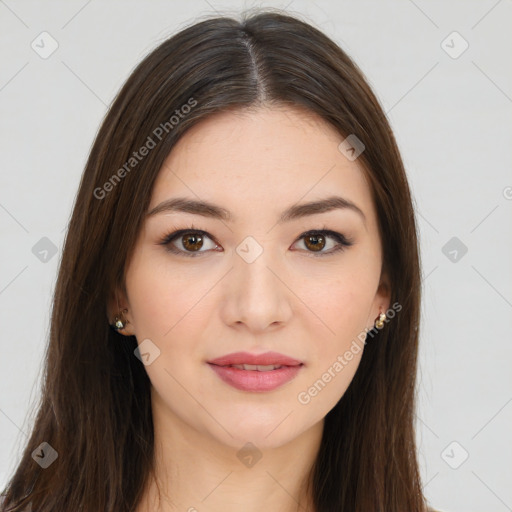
x=250, y=283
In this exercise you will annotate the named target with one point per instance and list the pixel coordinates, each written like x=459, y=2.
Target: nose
x=256, y=295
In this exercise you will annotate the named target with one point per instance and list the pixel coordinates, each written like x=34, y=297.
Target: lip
x=260, y=359
x=254, y=380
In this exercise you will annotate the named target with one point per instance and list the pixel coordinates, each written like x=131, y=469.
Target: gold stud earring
x=379, y=323
x=120, y=321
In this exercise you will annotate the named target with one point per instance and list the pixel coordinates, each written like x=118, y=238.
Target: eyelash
x=343, y=241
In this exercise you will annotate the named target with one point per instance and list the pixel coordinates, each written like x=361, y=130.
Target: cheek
x=336, y=343
x=342, y=303
x=150, y=303
x=341, y=308
x=161, y=295
x=344, y=315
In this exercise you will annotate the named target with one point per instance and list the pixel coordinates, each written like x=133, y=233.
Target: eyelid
x=343, y=241
x=175, y=234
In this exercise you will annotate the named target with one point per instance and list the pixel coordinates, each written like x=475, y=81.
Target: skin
x=291, y=300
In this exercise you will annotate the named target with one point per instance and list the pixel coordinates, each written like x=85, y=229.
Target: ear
x=384, y=290
x=382, y=299
x=117, y=306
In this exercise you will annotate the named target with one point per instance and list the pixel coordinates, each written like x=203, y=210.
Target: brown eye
x=187, y=242
x=324, y=242
x=314, y=242
x=192, y=242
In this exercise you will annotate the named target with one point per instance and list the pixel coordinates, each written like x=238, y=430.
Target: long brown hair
x=95, y=409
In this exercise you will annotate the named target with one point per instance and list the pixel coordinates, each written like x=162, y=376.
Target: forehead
x=267, y=157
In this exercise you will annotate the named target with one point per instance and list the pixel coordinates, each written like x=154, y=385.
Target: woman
x=245, y=226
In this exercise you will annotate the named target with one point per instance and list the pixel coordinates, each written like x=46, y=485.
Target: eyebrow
x=296, y=211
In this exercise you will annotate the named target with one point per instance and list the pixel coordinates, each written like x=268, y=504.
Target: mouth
x=256, y=378
x=256, y=372
x=255, y=367
x=268, y=361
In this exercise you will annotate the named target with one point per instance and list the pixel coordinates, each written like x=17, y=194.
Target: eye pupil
x=317, y=246
x=197, y=242
x=193, y=241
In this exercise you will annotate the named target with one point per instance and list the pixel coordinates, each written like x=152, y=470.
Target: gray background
x=451, y=115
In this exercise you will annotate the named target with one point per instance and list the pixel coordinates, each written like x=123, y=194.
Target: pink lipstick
x=255, y=372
